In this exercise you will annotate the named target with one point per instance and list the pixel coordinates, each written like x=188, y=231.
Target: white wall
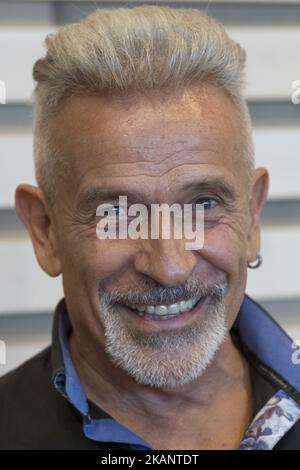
x=270, y=32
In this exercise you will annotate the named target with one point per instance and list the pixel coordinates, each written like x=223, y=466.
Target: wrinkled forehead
x=159, y=134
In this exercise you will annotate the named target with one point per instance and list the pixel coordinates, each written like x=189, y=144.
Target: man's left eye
x=208, y=203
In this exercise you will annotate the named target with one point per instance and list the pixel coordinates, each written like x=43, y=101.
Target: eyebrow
x=96, y=194
x=217, y=184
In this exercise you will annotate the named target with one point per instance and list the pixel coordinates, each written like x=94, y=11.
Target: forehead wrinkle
x=156, y=173
x=189, y=143
x=138, y=164
x=186, y=146
x=145, y=163
x=160, y=161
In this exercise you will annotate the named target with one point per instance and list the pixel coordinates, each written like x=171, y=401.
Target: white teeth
x=166, y=311
x=161, y=310
x=174, y=308
x=183, y=306
x=150, y=309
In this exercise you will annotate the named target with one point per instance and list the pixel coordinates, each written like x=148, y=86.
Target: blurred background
x=270, y=32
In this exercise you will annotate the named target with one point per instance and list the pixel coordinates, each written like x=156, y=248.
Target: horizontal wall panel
x=16, y=163
x=229, y=13
x=277, y=148
x=22, y=46
x=18, y=351
x=24, y=336
x=269, y=49
x=272, y=63
x=287, y=314
x=26, y=288
x=278, y=276
x=22, y=12
x=283, y=212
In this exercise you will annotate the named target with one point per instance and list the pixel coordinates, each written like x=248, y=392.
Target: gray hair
x=127, y=49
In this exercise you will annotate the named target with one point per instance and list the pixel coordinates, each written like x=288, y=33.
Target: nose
x=165, y=261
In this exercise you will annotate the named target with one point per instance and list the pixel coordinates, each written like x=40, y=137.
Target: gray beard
x=170, y=358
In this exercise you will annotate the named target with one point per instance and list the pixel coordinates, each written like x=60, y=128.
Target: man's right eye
x=109, y=210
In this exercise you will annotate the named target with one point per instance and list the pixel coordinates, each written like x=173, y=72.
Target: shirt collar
x=258, y=332
x=66, y=381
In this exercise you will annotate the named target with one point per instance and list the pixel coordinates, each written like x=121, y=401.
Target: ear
x=258, y=197
x=32, y=209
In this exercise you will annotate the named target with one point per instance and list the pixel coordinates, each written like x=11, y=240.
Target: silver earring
x=256, y=263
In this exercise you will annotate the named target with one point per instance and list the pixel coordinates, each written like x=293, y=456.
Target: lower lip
x=151, y=324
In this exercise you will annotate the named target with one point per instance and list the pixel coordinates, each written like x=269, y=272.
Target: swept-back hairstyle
x=125, y=49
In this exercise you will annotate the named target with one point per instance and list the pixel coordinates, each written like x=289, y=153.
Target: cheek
x=94, y=261
x=109, y=258
x=225, y=248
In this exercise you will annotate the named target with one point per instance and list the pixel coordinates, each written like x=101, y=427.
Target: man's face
x=182, y=147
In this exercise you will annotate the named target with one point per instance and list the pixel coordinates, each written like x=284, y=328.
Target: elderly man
x=155, y=346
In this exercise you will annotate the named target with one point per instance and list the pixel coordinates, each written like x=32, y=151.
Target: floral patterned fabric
x=273, y=421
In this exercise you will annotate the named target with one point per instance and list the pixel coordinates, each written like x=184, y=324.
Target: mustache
x=151, y=293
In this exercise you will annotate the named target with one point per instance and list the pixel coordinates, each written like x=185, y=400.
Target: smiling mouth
x=165, y=311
